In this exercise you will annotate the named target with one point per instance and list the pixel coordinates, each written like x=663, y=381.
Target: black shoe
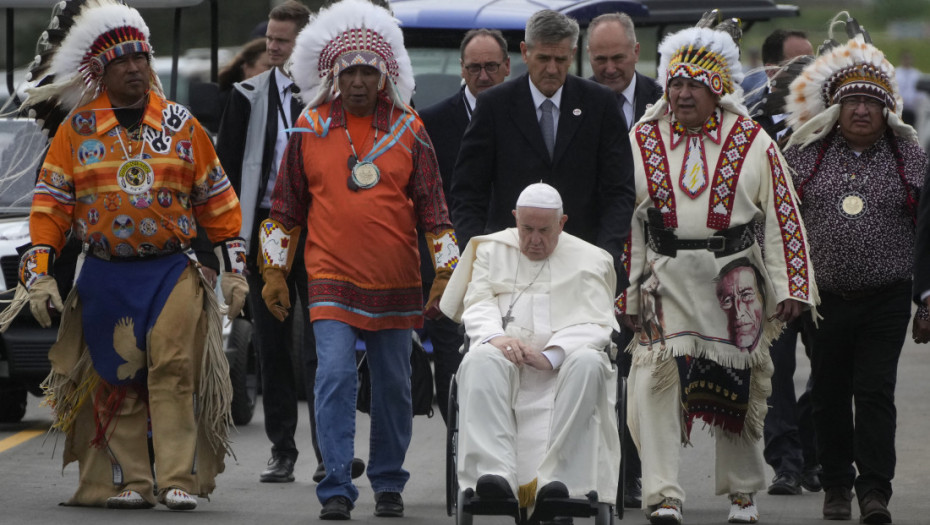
x=492, y=486
x=837, y=503
x=280, y=470
x=389, y=505
x=358, y=468
x=545, y=508
x=552, y=490
x=336, y=508
x=633, y=493
x=319, y=473
x=873, y=508
x=785, y=484
x=810, y=479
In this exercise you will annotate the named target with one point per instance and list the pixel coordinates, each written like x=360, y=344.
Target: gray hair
x=550, y=27
x=621, y=18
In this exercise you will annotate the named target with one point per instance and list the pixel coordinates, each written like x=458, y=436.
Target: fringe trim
x=526, y=494
x=665, y=373
x=760, y=388
x=707, y=350
x=19, y=300
x=67, y=393
x=66, y=316
x=666, y=377
x=215, y=398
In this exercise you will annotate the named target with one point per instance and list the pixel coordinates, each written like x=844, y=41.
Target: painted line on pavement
x=19, y=438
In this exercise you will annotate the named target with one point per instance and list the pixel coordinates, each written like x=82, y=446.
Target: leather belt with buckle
x=664, y=241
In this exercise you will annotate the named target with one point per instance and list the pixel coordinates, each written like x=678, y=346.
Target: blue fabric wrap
x=111, y=291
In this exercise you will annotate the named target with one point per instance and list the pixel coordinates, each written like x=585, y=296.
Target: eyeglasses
x=489, y=67
x=853, y=102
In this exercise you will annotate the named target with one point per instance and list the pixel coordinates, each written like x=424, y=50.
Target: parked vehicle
x=433, y=29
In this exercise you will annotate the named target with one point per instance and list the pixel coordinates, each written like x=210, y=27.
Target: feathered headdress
x=72, y=54
x=707, y=53
x=346, y=34
x=855, y=68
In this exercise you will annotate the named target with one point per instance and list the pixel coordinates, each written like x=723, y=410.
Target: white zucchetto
x=540, y=195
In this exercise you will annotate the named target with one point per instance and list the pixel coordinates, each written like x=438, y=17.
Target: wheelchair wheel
x=461, y=517
x=621, y=429
x=605, y=514
x=452, y=427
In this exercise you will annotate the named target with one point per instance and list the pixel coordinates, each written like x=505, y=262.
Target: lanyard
x=467, y=105
x=287, y=122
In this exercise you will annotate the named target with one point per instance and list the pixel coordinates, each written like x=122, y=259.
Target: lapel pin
x=576, y=112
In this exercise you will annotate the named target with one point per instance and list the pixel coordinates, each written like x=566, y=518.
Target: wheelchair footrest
x=474, y=505
x=553, y=507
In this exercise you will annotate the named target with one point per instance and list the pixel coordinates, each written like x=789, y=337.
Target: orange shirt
x=129, y=198
x=361, y=253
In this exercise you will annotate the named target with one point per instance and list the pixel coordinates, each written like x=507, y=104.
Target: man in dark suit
x=250, y=145
x=613, y=52
x=790, y=445
x=547, y=125
x=485, y=64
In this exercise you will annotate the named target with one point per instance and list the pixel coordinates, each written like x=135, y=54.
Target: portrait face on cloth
x=742, y=297
x=740, y=294
x=709, y=314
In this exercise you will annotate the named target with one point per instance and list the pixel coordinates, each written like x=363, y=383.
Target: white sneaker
x=128, y=499
x=743, y=508
x=177, y=499
x=667, y=513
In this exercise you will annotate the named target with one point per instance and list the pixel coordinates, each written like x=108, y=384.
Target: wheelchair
x=465, y=504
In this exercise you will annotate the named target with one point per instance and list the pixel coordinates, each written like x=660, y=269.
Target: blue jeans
x=391, y=407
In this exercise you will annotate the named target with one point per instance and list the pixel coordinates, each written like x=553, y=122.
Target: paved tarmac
x=32, y=482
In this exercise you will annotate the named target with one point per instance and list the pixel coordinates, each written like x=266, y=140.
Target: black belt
x=722, y=243
x=109, y=257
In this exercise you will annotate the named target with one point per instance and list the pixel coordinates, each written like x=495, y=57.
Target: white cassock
x=531, y=426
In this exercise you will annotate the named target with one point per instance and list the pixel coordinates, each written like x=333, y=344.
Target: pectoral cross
x=505, y=320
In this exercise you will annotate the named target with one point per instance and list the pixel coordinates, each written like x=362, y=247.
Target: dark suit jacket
x=922, y=243
x=648, y=91
x=503, y=152
x=445, y=123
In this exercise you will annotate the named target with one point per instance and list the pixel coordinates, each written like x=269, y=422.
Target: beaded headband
x=108, y=46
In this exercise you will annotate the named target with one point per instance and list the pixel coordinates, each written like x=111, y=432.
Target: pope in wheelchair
x=536, y=390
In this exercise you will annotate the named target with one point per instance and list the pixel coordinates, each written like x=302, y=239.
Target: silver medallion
x=852, y=205
x=365, y=174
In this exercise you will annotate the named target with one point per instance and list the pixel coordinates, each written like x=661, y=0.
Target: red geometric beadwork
x=727, y=173
x=357, y=39
x=655, y=163
x=791, y=235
